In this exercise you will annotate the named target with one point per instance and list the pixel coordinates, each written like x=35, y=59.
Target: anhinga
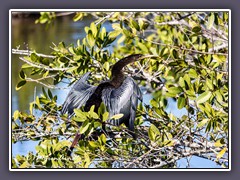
x=119, y=95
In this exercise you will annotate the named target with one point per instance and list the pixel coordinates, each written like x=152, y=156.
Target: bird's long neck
x=117, y=73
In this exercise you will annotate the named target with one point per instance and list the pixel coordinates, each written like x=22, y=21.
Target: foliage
x=190, y=66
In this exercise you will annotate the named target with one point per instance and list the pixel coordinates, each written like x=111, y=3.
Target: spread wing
x=78, y=95
x=123, y=100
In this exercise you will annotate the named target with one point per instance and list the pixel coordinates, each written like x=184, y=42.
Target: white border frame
x=121, y=10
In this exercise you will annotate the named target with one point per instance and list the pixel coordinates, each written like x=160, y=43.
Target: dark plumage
x=120, y=94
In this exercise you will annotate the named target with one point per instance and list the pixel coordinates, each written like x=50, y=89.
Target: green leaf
x=127, y=33
x=86, y=29
x=34, y=57
x=202, y=123
x=81, y=115
x=24, y=165
x=154, y=103
x=78, y=16
x=44, y=92
x=187, y=80
x=84, y=127
x=106, y=66
x=143, y=47
x=54, y=163
x=31, y=107
x=102, y=108
x=219, y=143
x=196, y=29
x=90, y=39
x=93, y=144
x=79, y=119
x=114, y=34
x=203, y=97
x=105, y=116
x=50, y=94
x=37, y=101
x=103, y=139
x=20, y=84
x=22, y=75
x=191, y=94
x=219, y=58
x=174, y=53
x=153, y=132
x=135, y=24
x=181, y=102
x=181, y=82
x=209, y=84
x=117, y=116
x=141, y=23
x=174, y=90
x=221, y=153
x=116, y=26
x=103, y=33
x=25, y=66
x=94, y=29
x=61, y=144
x=164, y=51
x=219, y=96
x=97, y=124
x=92, y=113
x=192, y=73
x=210, y=22
x=16, y=115
x=92, y=108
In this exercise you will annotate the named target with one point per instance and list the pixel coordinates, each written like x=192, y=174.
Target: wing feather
x=123, y=100
x=78, y=95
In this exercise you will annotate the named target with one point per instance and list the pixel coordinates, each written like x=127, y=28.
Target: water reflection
x=28, y=35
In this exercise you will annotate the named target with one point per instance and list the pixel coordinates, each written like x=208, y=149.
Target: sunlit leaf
x=219, y=143
x=78, y=16
x=93, y=144
x=105, y=116
x=117, y=116
x=210, y=21
x=203, y=97
x=94, y=29
x=219, y=58
x=221, y=153
x=24, y=165
x=209, y=84
x=202, y=123
x=16, y=115
x=84, y=127
x=90, y=39
x=154, y=103
x=174, y=90
x=192, y=73
x=181, y=102
x=153, y=132
x=114, y=34
x=143, y=47
x=103, y=139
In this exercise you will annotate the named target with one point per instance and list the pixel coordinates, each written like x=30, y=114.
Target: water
x=31, y=36
x=28, y=35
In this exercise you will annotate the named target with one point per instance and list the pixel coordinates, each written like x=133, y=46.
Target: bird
x=120, y=95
